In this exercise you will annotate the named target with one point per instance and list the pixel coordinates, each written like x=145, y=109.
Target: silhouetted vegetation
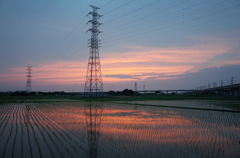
x=22, y=93
x=126, y=92
x=157, y=92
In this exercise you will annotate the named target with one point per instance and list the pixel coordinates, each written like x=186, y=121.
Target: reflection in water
x=59, y=130
x=27, y=109
x=93, y=113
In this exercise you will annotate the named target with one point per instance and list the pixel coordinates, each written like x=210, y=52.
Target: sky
x=159, y=44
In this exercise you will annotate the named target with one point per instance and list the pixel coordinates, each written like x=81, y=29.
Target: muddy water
x=119, y=130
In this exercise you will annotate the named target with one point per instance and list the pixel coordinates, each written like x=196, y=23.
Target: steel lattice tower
x=29, y=72
x=93, y=84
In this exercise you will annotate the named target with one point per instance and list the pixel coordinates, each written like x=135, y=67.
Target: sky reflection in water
x=141, y=131
x=92, y=129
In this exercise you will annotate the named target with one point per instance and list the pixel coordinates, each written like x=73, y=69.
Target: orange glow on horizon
x=140, y=64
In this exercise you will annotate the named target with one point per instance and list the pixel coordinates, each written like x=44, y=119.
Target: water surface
x=92, y=129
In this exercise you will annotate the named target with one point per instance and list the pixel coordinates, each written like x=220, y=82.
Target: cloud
x=158, y=63
x=121, y=76
x=136, y=63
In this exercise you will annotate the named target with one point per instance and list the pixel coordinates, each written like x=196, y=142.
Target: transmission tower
x=93, y=84
x=29, y=72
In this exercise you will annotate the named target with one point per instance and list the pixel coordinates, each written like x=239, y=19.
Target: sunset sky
x=162, y=44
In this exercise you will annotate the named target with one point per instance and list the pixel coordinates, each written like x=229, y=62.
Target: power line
x=173, y=30
x=175, y=24
x=119, y=7
x=148, y=15
x=169, y=20
x=131, y=12
x=107, y=3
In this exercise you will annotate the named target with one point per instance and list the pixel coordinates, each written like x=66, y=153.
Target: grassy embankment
x=232, y=102
x=41, y=98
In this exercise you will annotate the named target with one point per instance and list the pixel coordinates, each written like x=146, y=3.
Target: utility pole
x=93, y=84
x=232, y=81
x=29, y=72
x=135, y=87
x=209, y=85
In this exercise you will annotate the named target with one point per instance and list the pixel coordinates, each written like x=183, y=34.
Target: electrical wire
x=137, y=26
x=175, y=24
x=118, y=7
x=131, y=12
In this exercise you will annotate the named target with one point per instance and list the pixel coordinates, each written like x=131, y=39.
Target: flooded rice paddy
x=119, y=129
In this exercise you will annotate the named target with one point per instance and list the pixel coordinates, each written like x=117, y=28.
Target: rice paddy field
x=127, y=129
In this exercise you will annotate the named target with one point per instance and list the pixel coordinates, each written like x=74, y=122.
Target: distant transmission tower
x=93, y=84
x=29, y=72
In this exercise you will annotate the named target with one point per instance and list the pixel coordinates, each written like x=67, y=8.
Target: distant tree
x=157, y=92
x=23, y=93
x=111, y=92
x=33, y=93
x=127, y=92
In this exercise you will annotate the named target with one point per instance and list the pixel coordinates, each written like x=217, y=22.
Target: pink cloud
x=141, y=64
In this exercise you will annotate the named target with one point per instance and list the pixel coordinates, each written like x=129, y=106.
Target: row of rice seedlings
x=44, y=145
x=193, y=141
x=104, y=151
x=25, y=149
x=50, y=139
x=16, y=143
x=122, y=146
x=231, y=134
x=62, y=117
x=3, y=110
x=11, y=138
x=66, y=116
x=190, y=140
x=70, y=136
x=189, y=104
x=208, y=127
x=46, y=139
x=135, y=129
x=188, y=137
x=63, y=135
x=4, y=120
x=58, y=143
x=213, y=126
x=7, y=133
x=117, y=146
x=68, y=120
x=32, y=137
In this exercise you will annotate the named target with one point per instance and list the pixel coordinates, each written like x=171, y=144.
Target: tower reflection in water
x=93, y=113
